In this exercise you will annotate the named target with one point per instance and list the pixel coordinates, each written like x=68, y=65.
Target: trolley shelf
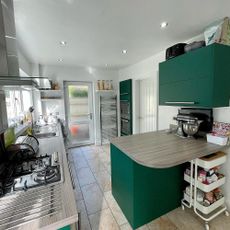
x=206, y=187
x=209, y=209
x=212, y=160
x=218, y=207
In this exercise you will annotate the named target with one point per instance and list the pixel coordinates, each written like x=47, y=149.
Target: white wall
x=68, y=73
x=24, y=63
x=147, y=68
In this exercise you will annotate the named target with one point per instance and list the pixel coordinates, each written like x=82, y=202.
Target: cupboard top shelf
x=51, y=90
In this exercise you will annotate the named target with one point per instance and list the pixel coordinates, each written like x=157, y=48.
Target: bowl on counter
x=191, y=127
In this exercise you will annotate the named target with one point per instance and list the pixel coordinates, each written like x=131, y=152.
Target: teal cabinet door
x=126, y=87
x=198, y=78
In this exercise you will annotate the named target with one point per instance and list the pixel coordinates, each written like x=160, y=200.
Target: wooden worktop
x=161, y=149
x=68, y=214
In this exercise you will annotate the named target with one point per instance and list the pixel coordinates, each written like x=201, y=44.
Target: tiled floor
x=100, y=211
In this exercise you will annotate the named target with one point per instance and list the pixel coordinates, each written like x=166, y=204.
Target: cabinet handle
x=181, y=102
x=122, y=94
x=125, y=120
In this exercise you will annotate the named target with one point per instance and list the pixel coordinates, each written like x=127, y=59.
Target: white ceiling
x=96, y=31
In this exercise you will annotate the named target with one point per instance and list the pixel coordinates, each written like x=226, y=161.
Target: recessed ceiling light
x=63, y=43
x=164, y=25
x=60, y=59
x=124, y=51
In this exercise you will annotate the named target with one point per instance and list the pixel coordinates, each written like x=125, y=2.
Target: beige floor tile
x=93, y=197
x=117, y=213
x=78, y=155
x=84, y=220
x=85, y=176
x=96, y=165
x=81, y=206
x=77, y=191
x=104, y=180
x=107, y=166
x=80, y=163
x=103, y=220
x=97, y=148
x=162, y=223
x=75, y=150
x=128, y=227
x=91, y=154
x=186, y=220
x=106, y=148
x=222, y=222
x=85, y=148
x=104, y=157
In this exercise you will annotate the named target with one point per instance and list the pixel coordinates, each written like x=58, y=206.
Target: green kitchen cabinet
x=126, y=87
x=144, y=193
x=198, y=78
x=65, y=228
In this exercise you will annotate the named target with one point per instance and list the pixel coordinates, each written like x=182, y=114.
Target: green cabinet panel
x=200, y=76
x=126, y=87
x=144, y=193
x=65, y=228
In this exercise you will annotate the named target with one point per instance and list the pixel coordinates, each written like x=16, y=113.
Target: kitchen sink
x=45, y=135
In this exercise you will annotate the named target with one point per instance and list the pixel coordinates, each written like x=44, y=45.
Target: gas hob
x=34, y=172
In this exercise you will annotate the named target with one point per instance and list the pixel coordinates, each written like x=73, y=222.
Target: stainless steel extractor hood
x=18, y=81
x=8, y=42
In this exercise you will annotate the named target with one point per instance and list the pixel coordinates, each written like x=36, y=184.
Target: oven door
x=125, y=127
x=125, y=109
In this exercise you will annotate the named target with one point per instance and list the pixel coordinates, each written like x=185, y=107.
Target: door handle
x=124, y=120
x=90, y=115
x=181, y=102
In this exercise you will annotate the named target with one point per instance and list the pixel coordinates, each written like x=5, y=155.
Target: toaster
x=175, y=50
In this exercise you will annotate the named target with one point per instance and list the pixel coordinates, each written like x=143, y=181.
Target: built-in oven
x=125, y=109
x=125, y=127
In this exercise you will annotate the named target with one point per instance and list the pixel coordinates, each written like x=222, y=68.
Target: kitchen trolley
x=191, y=196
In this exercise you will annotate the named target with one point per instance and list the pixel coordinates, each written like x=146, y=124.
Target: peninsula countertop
x=161, y=149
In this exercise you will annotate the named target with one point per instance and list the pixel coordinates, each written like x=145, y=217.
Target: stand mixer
x=187, y=125
x=194, y=122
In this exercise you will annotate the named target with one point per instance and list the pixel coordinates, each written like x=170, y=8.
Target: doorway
x=79, y=112
x=147, y=113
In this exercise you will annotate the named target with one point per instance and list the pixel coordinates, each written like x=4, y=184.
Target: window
x=18, y=101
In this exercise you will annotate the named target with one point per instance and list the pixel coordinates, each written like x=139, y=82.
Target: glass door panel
x=79, y=112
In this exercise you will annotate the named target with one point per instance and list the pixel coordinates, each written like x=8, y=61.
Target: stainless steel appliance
x=21, y=175
x=194, y=122
x=108, y=116
x=125, y=109
x=125, y=117
x=175, y=50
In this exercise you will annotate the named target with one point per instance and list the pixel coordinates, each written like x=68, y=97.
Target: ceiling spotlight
x=124, y=51
x=63, y=43
x=60, y=59
x=164, y=25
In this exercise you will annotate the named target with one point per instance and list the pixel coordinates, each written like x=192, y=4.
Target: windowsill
x=20, y=129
